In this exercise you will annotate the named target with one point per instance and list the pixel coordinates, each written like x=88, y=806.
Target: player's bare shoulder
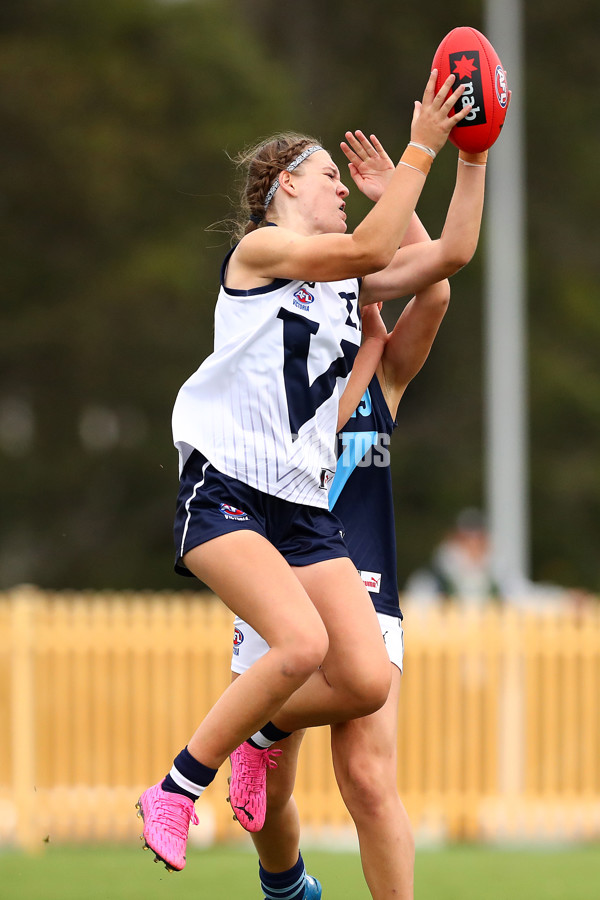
x=254, y=261
x=246, y=268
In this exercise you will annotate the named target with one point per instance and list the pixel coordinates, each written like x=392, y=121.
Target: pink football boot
x=166, y=825
x=248, y=784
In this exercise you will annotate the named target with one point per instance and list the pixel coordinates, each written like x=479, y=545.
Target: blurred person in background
x=462, y=571
x=460, y=568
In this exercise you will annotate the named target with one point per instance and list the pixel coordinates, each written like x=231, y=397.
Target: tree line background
x=119, y=120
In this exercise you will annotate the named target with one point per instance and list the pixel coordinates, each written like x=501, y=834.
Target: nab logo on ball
x=466, y=68
x=303, y=299
x=230, y=512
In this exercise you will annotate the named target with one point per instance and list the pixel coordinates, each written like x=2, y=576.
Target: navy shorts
x=210, y=504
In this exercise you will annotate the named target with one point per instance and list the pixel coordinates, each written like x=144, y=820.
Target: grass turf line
x=222, y=873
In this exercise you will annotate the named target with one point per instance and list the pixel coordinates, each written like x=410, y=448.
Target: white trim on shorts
x=251, y=646
x=195, y=490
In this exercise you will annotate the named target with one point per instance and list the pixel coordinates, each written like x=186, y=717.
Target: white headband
x=293, y=165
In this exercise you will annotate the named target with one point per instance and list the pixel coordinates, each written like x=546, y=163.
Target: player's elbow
x=458, y=257
x=456, y=250
x=440, y=295
x=380, y=259
x=372, y=256
x=435, y=299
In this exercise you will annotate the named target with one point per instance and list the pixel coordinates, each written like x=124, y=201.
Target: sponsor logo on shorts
x=326, y=478
x=303, y=299
x=238, y=638
x=371, y=580
x=230, y=512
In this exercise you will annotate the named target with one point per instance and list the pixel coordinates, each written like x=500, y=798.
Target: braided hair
x=261, y=165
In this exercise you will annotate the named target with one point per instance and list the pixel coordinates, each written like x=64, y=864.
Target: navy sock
x=188, y=776
x=267, y=735
x=289, y=885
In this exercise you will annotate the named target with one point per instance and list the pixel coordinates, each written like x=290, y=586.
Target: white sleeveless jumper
x=262, y=408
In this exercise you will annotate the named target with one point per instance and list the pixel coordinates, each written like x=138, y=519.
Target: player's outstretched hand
x=370, y=167
x=432, y=122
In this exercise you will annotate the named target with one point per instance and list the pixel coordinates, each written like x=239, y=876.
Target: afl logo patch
x=238, y=637
x=501, y=86
x=230, y=512
x=303, y=298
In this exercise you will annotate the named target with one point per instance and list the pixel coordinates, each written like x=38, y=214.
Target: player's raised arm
x=374, y=338
x=322, y=251
x=415, y=267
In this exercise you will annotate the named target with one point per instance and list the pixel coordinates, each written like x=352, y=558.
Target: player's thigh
x=344, y=605
x=253, y=579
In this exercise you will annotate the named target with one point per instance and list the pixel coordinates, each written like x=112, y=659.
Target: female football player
x=365, y=749
x=255, y=428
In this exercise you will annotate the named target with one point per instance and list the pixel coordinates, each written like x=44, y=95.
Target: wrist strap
x=477, y=160
x=429, y=150
x=416, y=158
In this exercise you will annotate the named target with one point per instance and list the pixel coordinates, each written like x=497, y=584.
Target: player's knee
x=360, y=698
x=366, y=690
x=365, y=782
x=304, y=652
x=368, y=788
x=370, y=697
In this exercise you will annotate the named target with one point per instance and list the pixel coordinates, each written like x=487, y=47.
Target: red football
x=467, y=54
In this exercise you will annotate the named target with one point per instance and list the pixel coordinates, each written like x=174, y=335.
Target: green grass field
x=455, y=873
